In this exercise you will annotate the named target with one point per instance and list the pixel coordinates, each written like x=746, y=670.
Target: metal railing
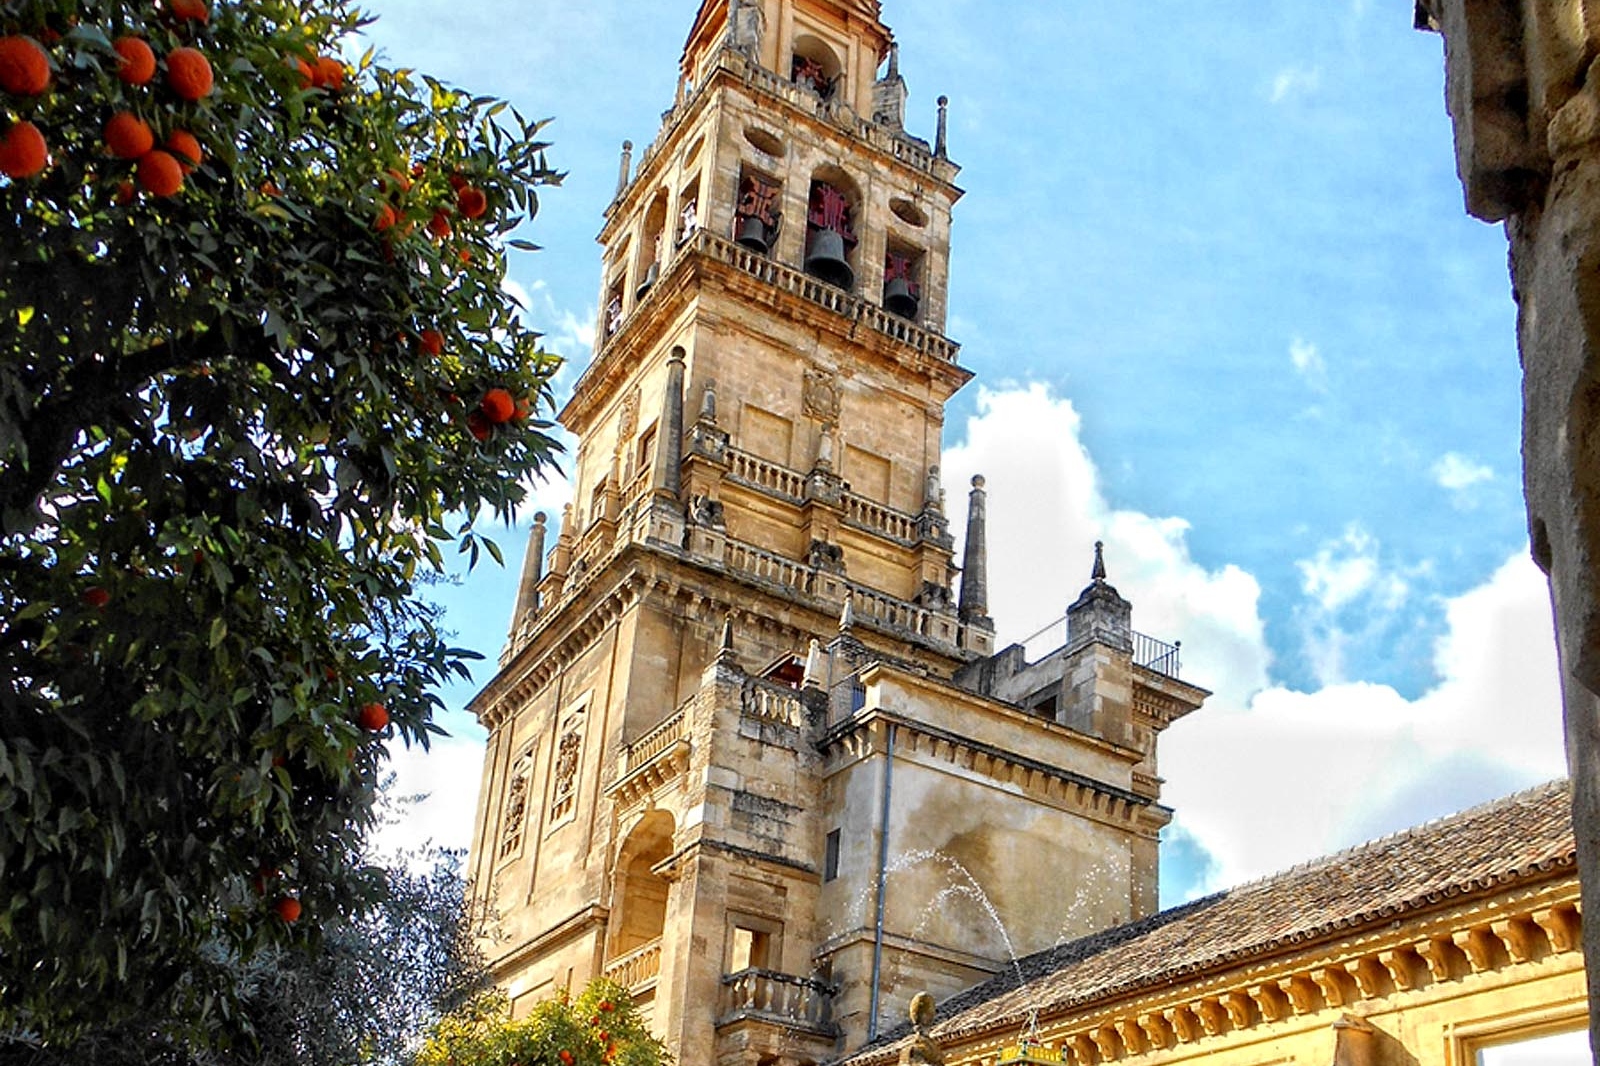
x=1157, y=655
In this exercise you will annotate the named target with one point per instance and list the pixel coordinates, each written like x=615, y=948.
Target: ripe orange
x=24, y=68
x=471, y=201
x=96, y=597
x=138, y=61
x=330, y=73
x=439, y=225
x=22, y=151
x=159, y=173
x=431, y=341
x=372, y=717
x=287, y=908
x=398, y=180
x=183, y=145
x=498, y=406
x=125, y=193
x=386, y=218
x=478, y=425
x=189, y=74
x=128, y=136
x=308, y=77
x=457, y=182
x=565, y=1056
x=524, y=409
x=190, y=9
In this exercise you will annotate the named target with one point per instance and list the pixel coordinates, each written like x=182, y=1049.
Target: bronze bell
x=650, y=276
x=751, y=233
x=898, y=299
x=825, y=259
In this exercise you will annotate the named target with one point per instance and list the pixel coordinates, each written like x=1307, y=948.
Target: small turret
x=1100, y=613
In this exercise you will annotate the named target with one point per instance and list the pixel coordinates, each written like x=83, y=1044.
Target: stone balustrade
x=780, y=997
x=769, y=702
x=653, y=743
x=638, y=969
x=762, y=474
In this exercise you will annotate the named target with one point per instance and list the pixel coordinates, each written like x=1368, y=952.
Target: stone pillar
x=666, y=478
x=532, y=567
x=1524, y=100
x=975, y=559
x=625, y=167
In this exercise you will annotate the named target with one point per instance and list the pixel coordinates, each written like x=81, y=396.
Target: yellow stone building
x=752, y=751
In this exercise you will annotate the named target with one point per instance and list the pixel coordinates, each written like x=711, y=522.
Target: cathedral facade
x=752, y=751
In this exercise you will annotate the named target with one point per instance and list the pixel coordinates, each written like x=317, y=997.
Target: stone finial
x=923, y=1050
x=974, y=603
x=941, y=144
x=708, y=402
x=532, y=571
x=1098, y=574
x=1100, y=613
x=816, y=675
x=725, y=655
x=847, y=616
x=889, y=94
x=825, y=448
x=626, y=169
x=932, y=492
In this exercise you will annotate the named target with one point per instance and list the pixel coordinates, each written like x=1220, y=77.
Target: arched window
x=651, y=251
x=830, y=228
x=756, y=214
x=814, y=66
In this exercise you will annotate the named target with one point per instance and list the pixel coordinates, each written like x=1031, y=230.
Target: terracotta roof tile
x=1526, y=836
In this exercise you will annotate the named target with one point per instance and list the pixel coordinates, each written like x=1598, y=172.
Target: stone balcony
x=636, y=970
x=777, y=998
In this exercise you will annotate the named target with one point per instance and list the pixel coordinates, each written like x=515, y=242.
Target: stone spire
x=889, y=94
x=625, y=171
x=816, y=675
x=974, y=604
x=941, y=145
x=1100, y=613
x=532, y=571
x=725, y=655
x=666, y=479
x=847, y=616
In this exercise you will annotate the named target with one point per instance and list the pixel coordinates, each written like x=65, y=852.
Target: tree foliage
x=235, y=418
x=368, y=994
x=601, y=1027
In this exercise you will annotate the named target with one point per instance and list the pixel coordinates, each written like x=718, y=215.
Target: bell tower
x=743, y=685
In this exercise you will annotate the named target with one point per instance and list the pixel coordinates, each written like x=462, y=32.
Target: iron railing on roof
x=1157, y=655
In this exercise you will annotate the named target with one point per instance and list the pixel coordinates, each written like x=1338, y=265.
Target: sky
x=1227, y=314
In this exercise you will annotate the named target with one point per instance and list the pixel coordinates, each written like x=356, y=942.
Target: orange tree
x=255, y=351
x=601, y=1027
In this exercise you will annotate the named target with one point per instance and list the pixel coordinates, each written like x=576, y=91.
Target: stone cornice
x=588, y=918
x=860, y=737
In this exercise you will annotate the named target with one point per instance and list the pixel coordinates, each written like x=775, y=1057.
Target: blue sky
x=1227, y=313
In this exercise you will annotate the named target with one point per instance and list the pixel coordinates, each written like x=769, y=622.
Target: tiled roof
x=1523, y=837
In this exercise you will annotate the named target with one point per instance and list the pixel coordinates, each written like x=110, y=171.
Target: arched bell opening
x=830, y=228
x=639, y=899
x=612, y=307
x=756, y=215
x=689, y=209
x=902, y=281
x=815, y=66
x=650, y=247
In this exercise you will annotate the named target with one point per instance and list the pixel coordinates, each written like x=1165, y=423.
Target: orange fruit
x=524, y=409
x=386, y=218
x=189, y=73
x=96, y=597
x=478, y=425
x=190, y=9
x=471, y=201
x=439, y=225
x=24, y=68
x=457, y=182
x=399, y=180
x=159, y=173
x=138, y=61
x=270, y=189
x=498, y=406
x=330, y=73
x=431, y=341
x=22, y=151
x=308, y=77
x=372, y=717
x=287, y=908
x=128, y=136
x=125, y=193
x=185, y=148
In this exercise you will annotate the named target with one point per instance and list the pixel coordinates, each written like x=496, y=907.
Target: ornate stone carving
x=820, y=395
x=923, y=1050
x=516, y=808
x=565, y=787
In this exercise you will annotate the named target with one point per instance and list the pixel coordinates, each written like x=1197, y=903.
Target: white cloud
x=1308, y=363
x=1351, y=600
x=1264, y=777
x=1295, y=81
x=445, y=778
x=1456, y=472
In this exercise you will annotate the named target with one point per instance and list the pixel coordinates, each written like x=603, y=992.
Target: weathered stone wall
x=1524, y=98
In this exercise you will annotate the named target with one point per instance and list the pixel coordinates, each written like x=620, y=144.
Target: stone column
x=665, y=479
x=975, y=559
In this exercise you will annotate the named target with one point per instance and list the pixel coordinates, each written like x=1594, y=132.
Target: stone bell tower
x=742, y=735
